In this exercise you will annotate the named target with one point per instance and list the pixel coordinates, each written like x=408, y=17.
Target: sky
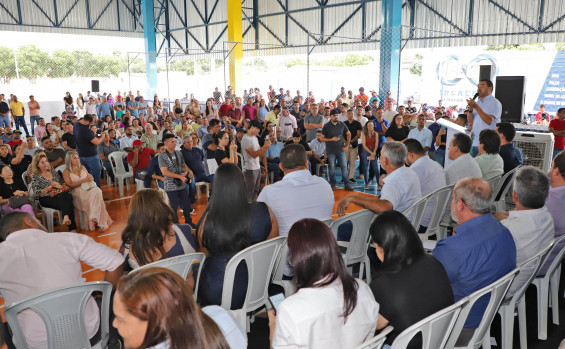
x=52, y=41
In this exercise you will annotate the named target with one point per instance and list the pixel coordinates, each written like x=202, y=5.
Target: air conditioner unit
x=537, y=148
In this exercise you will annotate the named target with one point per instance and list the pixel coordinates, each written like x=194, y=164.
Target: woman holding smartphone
x=331, y=309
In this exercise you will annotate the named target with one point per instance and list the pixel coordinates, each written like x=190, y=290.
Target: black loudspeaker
x=95, y=86
x=484, y=73
x=511, y=92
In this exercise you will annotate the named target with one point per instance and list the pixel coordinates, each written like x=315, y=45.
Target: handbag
x=19, y=201
x=56, y=191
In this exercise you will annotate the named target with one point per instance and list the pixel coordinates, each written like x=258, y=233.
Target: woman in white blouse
x=331, y=309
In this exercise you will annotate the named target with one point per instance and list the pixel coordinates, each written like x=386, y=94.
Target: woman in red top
x=370, y=141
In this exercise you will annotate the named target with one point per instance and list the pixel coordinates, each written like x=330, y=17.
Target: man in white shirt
x=430, y=173
x=390, y=112
x=33, y=261
x=299, y=194
x=531, y=223
x=287, y=124
x=422, y=134
x=126, y=142
x=252, y=153
x=463, y=164
x=318, y=149
x=401, y=187
x=483, y=113
x=91, y=107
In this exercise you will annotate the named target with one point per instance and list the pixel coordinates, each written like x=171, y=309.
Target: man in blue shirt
x=272, y=157
x=133, y=108
x=194, y=159
x=153, y=170
x=381, y=125
x=511, y=155
x=104, y=109
x=481, y=250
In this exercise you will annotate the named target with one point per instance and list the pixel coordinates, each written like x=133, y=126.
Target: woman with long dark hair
x=155, y=308
x=331, y=309
x=397, y=131
x=228, y=225
x=150, y=234
x=410, y=284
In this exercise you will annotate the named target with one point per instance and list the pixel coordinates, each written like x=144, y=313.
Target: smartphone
x=276, y=300
x=443, y=127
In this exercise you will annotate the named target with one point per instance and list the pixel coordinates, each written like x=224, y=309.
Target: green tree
x=63, y=64
x=7, y=64
x=32, y=62
x=204, y=65
x=560, y=46
x=85, y=63
x=185, y=65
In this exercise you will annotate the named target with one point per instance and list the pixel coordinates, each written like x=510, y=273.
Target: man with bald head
x=481, y=250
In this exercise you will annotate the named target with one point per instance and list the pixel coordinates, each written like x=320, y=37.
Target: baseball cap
x=361, y=89
x=17, y=131
x=137, y=142
x=334, y=112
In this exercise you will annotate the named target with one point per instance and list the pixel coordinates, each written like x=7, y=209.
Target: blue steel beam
x=544, y=30
x=147, y=9
x=19, y=11
x=509, y=13
x=68, y=12
x=118, y=15
x=541, y=11
x=10, y=14
x=445, y=19
x=56, y=13
x=219, y=37
x=342, y=24
x=391, y=34
x=471, y=15
x=88, y=21
x=44, y=13
x=102, y=13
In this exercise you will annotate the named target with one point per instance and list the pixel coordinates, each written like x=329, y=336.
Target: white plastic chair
x=120, y=173
x=105, y=173
x=260, y=259
x=164, y=193
x=180, y=265
x=435, y=201
x=241, y=162
x=288, y=285
x=481, y=337
x=60, y=169
x=356, y=247
x=435, y=329
x=494, y=183
x=547, y=287
x=501, y=190
x=319, y=169
x=200, y=185
x=377, y=341
x=328, y=221
x=63, y=313
x=139, y=184
x=518, y=302
x=212, y=166
x=47, y=215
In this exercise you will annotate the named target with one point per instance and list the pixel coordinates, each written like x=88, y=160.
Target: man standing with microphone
x=483, y=113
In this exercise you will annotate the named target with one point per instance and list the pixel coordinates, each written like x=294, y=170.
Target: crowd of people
x=232, y=146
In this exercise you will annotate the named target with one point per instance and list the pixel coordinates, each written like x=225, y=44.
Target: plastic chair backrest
x=557, y=260
x=280, y=262
x=531, y=266
x=377, y=341
x=212, y=166
x=494, y=183
x=357, y=247
x=329, y=222
x=60, y=169
x=497, y=290
x=508, y=179
x=260, y=259
x=240, y=162
x=435, y=329
x=116, y=160
x=180, y=265
x=63, y=312
x=441, y=201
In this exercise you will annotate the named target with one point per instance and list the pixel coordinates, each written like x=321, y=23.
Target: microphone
x=475, y=96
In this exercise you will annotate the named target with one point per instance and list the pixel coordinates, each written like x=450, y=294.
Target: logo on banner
x=450, y=71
